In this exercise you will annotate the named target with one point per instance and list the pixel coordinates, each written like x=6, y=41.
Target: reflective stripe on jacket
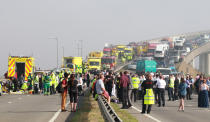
x=149, y=98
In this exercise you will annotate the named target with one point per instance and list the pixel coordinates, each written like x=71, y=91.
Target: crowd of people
x=150, y=88
x=123, y=87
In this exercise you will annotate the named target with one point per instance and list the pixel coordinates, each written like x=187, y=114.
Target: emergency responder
x=61, y=75
x=41, y=79
x=171, y=88
x=47, y=85
x=135, y=83
x=36, y=85
x=15, y=84
x=24, y=86
x=30, y=84
x=53, y=83
x=0, y=88
x=123, y=59
x=148, y=95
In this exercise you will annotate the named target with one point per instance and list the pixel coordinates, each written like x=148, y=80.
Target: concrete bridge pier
x=204, y=63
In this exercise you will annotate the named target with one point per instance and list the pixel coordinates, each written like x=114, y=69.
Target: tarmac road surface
x=31, y=108
x=170, y=113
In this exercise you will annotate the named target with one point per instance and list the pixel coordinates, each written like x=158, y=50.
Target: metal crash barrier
x=107, y=111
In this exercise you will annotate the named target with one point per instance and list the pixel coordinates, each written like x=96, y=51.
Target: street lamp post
x=63, y=51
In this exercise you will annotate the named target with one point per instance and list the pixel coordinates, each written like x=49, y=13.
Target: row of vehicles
x=159, y=56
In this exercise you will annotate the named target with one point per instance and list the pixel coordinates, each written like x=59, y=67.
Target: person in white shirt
x=155, y=89
x=80, y=85
x=161, y=84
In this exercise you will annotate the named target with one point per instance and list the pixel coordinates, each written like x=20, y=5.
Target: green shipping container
x=144, y=66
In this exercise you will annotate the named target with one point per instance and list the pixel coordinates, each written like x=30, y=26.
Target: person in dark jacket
x=15, y=82
x=182, y=93
x=109, y=83
x=124, y=81
x=176, y=87
x=147, y=85
x=73, y=92
x=198, y=82
x=203, y=96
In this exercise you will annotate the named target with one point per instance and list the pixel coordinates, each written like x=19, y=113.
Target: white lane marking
x=57, y=113
x=147, y=115
x=9, y=102
x=189, y=105
x=20, y=98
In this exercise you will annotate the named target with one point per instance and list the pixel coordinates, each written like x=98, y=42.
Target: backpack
x=59, y=88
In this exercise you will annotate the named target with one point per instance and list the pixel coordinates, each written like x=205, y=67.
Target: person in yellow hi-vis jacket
x=0, y=88
x=52, y=83
x=148, y=95
x=135, y=82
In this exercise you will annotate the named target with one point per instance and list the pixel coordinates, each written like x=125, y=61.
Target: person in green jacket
x=30, y=84
x=47, y=85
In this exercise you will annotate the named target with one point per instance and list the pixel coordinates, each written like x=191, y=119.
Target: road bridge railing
x=107, y=111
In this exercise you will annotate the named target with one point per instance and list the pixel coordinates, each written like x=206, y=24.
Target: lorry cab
x=107, y=52
x=108, y=62
x=151, y=49
x=128, y=53
x=160, y=50
x=74, y=63
x=120, y=48
x=94, y=63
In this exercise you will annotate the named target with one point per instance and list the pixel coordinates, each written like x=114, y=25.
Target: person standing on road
x=135, y=83
x=148, y=94
x=155, y=89
x=41, y=83
x=73, y=92
x=182, y=94
x=197, y=82
x=21, y=81
x=176, y=87
x=124, y=81
x=30, y=83
x=171, y=88
x=188, y=87
x=129, y=91
x=64, y=93
x=46, y=85
x=36, y=84
x=203, y=100
x=161, y=84
x=208, y=83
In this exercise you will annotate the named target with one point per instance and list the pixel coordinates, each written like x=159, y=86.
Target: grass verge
x=89, y=111
x=123, y=114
